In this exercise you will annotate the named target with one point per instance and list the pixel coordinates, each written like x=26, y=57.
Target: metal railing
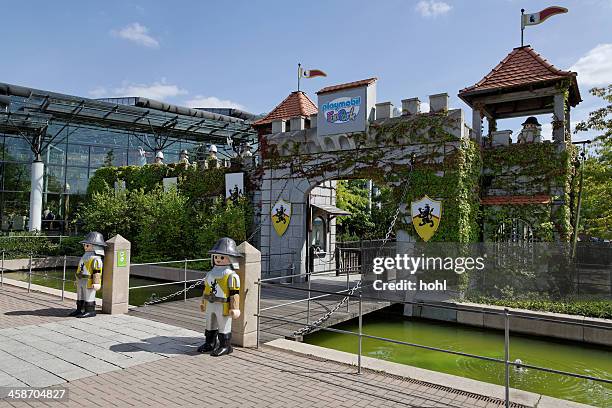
x=31, y=260
x=31, y=273
x=308, y=276
x=506, y=313
x=185, y=281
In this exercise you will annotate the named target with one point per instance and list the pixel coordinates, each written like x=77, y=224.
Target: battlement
x=300, y=135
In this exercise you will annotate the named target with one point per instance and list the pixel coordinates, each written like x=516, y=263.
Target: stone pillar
x=244, y=329
x=411, y=106
x=559, y=118
x=296, y=123
x=477, y=126
x=278, y=126
x=438, y=102
x=313, y=121
x=384, y=110
x=405, y=245
x=36, y=195
x=116, y=276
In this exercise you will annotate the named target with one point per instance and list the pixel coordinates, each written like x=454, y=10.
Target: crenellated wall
x=435, y=143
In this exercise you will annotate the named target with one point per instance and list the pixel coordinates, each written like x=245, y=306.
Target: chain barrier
x=308, y=329
x=162, y=299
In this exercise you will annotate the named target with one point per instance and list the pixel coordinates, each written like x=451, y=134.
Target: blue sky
x=244, y=53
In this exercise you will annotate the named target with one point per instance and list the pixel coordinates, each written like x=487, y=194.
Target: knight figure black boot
x=79, y=308
x=90, y=310
x=211, y=341
x=225, y=346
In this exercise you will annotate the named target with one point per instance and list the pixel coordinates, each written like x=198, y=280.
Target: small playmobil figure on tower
x=89, y=275
x=221, y=298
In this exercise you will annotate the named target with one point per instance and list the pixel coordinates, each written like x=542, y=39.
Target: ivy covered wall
x=429, y=151
x=527, y=170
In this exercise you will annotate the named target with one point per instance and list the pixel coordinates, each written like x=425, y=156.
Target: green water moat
x=560, y=355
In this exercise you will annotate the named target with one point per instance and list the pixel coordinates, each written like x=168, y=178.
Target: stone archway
x=296, y=162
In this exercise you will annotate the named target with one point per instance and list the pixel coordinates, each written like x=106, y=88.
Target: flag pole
x=522, y=25
x=299, y=75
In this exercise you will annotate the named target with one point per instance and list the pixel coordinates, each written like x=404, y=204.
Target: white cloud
x=200, y=101
x=595, y=67
x=546, y=131
x=425, y=107
x=98, y=92
x=432, y=8
x=157, y=90
x=138, y=34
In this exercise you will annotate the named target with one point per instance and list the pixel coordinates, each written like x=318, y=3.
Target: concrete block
x=313, y=121
x=436, y=313
x=278, y=126
x=411, y=106
x=438, y=102
x=116, y=276
x=244, y=329
x=596, y=335
x=296, y=124
x=501, y=138
x=384, y=110
x=470, y=318
x=545, y=328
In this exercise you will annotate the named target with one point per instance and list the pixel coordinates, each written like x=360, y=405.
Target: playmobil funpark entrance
x=350, y=136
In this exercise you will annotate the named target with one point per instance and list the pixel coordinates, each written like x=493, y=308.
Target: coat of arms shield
x=426, y=214
x=281, y=215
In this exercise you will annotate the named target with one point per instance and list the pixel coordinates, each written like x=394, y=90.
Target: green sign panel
x=122, y=257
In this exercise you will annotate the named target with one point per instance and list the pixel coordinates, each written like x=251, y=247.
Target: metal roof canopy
x=333, y=210
x=162, y=120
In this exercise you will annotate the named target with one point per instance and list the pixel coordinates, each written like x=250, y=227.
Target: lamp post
x=581, y=160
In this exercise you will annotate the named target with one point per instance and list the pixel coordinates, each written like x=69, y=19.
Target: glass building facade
x=76, y=136
x=69, y=164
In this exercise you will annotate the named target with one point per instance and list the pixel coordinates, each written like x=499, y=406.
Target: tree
x=352, y=196
x=110, y=157
x=596, y=212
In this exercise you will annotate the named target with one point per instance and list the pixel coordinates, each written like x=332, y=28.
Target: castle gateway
x=491, y=188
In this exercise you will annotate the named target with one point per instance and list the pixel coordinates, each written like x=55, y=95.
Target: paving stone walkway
x=126, y=361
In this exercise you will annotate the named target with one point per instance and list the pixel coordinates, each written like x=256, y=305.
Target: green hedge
x=24, y=244
x=580, y=307
x=164, y=225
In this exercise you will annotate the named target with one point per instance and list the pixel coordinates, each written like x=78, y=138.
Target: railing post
x=64, y=278
x=116, y=276
x=245, y=329
x=348, y=285
x=185, y=281
x=360, y=335
x=2, y=271
x=258, y=309
x=30, y=274
x=507, y=355
x=309, y=277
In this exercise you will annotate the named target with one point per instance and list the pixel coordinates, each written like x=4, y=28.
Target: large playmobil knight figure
x=89, y=275
x=221, y=299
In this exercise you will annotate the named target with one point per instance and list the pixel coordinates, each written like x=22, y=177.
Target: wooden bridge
x=282, y=301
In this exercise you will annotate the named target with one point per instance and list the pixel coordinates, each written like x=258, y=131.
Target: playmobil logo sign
x=341, y=110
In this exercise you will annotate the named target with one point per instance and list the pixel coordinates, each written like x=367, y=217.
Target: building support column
x=558, y=124
x=477, y=126
x=36, y=195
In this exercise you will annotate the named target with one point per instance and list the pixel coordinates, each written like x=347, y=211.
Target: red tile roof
x=516, y=200
x=347, y=85
x=523, y=66
x=294, y=105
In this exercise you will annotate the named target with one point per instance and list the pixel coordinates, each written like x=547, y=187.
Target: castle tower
x=525, y=187
x=522, y=84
